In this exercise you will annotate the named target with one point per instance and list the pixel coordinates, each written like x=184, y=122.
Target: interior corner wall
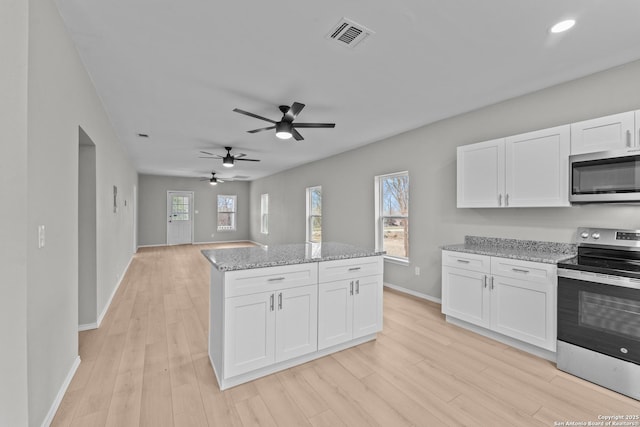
x=13, y=223
x=152, y=209
x=429, y=154
x=61, y=99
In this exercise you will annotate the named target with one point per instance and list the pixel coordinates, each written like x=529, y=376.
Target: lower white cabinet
x=512, y=297
x=269, y=327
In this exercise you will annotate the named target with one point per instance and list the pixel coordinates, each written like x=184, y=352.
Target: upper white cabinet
x=614, y=132
x=481, y=174
x=518, y=171
x=537, y=166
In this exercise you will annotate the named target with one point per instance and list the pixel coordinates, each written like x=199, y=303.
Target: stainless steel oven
x=605, y=177
x=599, y=310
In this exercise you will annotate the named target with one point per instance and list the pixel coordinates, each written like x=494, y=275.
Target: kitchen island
x=274, y=307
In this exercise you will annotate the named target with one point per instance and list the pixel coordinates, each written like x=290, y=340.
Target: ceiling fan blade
x=237, y=156
x=296, y=134
x=293, y=112
x=246, y=113
x=314, y=125
x=214, y=156
x=207, y=153
x=248, y=160
x=261, y=129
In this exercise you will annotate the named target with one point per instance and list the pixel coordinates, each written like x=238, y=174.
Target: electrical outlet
x=417, y=271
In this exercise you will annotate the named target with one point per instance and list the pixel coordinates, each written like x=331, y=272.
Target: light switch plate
x=40, y=236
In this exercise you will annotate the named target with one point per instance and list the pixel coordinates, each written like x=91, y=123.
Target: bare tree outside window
x=314, y=214
x=394, y=214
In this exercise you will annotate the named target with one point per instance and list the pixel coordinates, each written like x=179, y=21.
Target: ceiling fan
x=213, y=180
x=228, y=160
x=286, y=128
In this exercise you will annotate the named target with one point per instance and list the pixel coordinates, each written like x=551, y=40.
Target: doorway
x=87, y=234
x=179, y=217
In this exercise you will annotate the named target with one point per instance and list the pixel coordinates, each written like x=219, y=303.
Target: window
x=392, y=215
x=314, y=214
x=226, y=213
x=180, y=208
x=264, y=213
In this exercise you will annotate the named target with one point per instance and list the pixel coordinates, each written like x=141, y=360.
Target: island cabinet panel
x=296, y=322
x=351, y=306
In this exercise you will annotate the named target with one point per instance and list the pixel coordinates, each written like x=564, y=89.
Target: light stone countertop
x=273, y=255
x=526, y=250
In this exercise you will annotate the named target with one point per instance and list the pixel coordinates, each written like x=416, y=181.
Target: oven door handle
x=605, y=279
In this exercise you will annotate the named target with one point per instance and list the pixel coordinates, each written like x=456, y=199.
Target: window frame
x=310, y=216
x=234, y=212
x=380, y=217
x=264, y=213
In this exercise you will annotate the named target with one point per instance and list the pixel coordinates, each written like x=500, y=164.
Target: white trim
x=204, y=243
x=63, y=389
x=414, y=293
x=87, y=327
x=152, y=246
x=108, y=304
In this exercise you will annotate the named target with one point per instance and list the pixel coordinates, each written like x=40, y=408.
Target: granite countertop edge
x=524, y=250
x=231, y=263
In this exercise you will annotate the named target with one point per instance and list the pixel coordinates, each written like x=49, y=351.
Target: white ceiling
x=176, y=69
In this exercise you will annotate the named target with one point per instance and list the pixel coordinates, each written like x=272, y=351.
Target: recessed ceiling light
x=563, y=26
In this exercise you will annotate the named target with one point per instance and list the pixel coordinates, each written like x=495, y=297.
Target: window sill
x=399, y=261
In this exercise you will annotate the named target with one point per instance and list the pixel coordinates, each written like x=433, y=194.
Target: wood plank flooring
x=147, y=365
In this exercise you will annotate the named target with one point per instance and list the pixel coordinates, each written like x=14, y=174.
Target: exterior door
x=179, y=217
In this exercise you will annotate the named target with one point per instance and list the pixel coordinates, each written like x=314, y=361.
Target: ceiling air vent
x=348, y=33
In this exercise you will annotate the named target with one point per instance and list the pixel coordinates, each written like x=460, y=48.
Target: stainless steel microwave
x=605, y=177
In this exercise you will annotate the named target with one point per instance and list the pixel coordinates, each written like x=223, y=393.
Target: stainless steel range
x=599, y=310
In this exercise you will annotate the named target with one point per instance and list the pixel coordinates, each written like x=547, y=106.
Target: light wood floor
x=147, y=365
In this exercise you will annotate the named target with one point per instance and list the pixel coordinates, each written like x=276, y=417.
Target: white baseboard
x=63, y=389
x=414, y=293
x=87, y=327
x=108, y=304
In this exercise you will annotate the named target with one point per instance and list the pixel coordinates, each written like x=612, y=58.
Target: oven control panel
x=609, y=237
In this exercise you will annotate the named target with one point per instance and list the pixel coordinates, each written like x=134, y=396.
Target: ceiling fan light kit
x=228, y=160
x=283, y=130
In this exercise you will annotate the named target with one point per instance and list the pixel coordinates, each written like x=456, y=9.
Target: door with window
x=179, y=217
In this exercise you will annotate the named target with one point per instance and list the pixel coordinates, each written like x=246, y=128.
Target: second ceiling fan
x=286, y=128
x=229, y=159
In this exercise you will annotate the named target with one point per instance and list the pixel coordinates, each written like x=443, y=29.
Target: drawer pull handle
x=520, y=270
x=491, y=282
x=271, y=305
x=351, y=288
x=464, y=261
x=485, y=281
x=275, y=279
x=280, y=301
x=357, y=287
x=354, y=268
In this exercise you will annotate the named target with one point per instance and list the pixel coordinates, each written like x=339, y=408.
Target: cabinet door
x=537, y=168
x=524, y=310
x=249, y=333
x=296, y=322
x=465, y=295
x=613, y=132
x=335, y=313
x=480, y=173
x=367, y=307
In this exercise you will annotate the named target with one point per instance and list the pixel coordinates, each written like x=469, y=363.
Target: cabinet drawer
x=467, y=261
x=526, y=270
x=245, y=282
x=329, y=271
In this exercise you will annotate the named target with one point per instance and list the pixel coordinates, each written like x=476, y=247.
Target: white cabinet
x=269, y=327
x=614, y=132
x=526, y=170
x=537, y=168
x=512, y=297
x=480, y=169
x=350, y=304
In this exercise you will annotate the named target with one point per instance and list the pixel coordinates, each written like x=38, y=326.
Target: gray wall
x=152, y=209
x=14, y=36
x=87, y=232
x=429, y=154
x=46, y=96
